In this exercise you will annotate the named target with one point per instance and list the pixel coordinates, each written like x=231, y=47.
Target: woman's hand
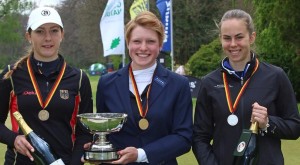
x=260, y=114
x=23, y=146
x=128, y=155
x=87, y=146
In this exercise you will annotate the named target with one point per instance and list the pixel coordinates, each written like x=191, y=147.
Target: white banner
x=112, y=28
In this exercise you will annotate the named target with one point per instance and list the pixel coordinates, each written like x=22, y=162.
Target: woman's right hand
x=23, y=146
x=87, y=146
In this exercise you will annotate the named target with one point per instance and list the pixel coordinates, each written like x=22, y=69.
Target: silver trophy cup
x=101, y=124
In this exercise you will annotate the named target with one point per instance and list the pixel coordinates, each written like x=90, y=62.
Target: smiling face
x=46, y=41
x=144, y=47
x=236, y=40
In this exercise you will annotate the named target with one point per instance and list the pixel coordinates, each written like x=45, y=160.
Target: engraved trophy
x=100, y=125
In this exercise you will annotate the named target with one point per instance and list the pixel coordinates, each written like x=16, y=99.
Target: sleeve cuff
x=142, y=157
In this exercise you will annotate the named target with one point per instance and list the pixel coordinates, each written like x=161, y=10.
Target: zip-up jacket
x=61, y=131
x=215, y=140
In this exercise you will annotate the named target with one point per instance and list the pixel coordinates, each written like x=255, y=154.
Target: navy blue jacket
x=170, y=114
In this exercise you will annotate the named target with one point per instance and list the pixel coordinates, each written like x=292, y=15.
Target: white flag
x=112, y=28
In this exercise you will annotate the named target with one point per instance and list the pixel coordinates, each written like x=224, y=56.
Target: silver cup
x=100, y=125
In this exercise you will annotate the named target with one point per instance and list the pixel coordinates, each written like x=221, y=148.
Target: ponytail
x=18, y=63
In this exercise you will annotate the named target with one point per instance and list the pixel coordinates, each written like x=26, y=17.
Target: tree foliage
x=11, y=29
x=278, y=39
x=206, y=59
x=193, y=25
x=10, y=20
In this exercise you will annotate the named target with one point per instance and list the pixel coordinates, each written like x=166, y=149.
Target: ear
x=220, y=38
x=252, y=37
x=28, y=37
x=62, y=35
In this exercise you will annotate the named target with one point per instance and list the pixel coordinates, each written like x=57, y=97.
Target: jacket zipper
x=47, y=84
x=242, y=81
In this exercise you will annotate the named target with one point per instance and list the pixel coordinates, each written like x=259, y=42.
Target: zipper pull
x=47, y=84
x=242, y=81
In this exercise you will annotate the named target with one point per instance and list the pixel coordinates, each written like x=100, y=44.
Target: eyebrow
x=239, y=34
x=55, y=26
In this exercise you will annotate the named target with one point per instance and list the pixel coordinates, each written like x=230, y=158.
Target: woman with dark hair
x=243, y=90
x=47, y=92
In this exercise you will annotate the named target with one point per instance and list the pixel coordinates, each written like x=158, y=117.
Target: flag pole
x=148, y=5
x=171, y=21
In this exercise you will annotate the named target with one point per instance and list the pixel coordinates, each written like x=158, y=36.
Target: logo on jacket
x=159, y=81
x=64, y=94
x=28, y=93
x=222, y=86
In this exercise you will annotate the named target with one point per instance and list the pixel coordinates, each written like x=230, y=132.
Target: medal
x=43, y=115
x=232, y=119
x=143, y=124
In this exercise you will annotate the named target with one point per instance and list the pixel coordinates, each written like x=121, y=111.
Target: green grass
x=290, y=148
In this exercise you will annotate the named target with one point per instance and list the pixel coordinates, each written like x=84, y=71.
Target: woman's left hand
x=259, y=114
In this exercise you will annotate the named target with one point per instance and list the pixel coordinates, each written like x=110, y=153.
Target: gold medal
x=43, y=115
x=143, y=124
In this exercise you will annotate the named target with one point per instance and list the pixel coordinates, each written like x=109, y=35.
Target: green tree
x=193, y=25
x=10, y=13
x=206, y=59
x=278, y=36
x=11, y=40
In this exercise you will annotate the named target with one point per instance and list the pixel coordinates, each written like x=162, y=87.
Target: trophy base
x=100, y=156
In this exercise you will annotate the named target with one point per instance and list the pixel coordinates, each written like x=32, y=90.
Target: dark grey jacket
x=269, y=87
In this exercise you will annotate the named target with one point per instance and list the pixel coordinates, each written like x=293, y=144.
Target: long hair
x=19, y=63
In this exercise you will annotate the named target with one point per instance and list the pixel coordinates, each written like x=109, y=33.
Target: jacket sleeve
x=203, y=129
x=286, y=123
x=85, y=106
x=7, y=136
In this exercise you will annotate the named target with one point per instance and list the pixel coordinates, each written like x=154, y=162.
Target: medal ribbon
x=137, y=95
x=36, y=87
x=232, y=109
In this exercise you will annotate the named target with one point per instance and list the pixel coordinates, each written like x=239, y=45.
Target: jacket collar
x=249, y=67
x=160, y=80
x=34, y=64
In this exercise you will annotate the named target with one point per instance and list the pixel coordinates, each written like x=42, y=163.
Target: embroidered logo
x=64, y=94
x=25, y=93
x=159, y=81
x=45, y=13
x=222, y=86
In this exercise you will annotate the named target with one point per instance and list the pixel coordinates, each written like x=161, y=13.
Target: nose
x=233, y=43
x=143, y=46
x=47, y=35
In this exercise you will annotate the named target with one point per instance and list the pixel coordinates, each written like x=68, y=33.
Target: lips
x=47, y=46
x=234, y=52
x=143, y=55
